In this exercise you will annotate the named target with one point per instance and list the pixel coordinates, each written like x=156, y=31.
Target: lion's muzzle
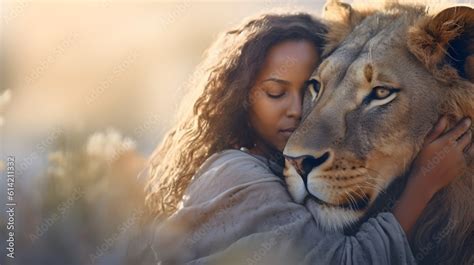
x=315, y=177
x=304, y=164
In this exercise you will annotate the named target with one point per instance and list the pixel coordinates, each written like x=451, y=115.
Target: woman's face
x=277, y=96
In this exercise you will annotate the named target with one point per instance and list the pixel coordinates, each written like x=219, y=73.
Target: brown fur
x=456, y=202
x=470, y=67
x=341, y=20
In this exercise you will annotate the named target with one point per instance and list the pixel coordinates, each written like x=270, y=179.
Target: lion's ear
x=337, y=16
x=446, y=39
x=341, y=19
x=335, y=10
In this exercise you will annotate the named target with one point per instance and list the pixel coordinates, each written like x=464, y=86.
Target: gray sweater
x=236, y=211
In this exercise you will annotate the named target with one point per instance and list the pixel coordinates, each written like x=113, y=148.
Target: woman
x=215, y=178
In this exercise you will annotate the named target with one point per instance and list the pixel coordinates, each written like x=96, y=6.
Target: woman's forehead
x=289, y=59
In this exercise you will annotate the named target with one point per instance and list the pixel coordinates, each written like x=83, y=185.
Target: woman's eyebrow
x=280, y=81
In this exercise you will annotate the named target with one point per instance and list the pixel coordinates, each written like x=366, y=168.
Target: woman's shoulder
x=231, y=159
x=233, y=164
x=229, y=169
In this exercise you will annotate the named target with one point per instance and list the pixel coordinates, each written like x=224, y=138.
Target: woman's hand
x=442, y=157
x=440, y=161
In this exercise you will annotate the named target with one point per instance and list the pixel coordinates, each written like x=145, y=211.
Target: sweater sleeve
x=238, y=212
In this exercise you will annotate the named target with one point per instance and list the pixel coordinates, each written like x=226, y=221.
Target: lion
x=386, y=77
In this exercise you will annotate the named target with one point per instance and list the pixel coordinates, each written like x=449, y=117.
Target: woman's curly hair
x=219, y=118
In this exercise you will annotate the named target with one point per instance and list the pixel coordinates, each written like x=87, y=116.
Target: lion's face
x=375, y=105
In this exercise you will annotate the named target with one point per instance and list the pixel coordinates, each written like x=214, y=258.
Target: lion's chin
x=333, y=218
x=361, y=204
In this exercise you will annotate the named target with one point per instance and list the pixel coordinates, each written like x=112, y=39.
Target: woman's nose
x=295, y=107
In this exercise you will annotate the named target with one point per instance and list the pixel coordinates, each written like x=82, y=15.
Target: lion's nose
x=304, y=164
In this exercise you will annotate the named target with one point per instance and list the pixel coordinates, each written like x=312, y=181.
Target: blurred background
x=87, y=91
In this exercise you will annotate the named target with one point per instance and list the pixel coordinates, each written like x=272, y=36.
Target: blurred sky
x=77, y=67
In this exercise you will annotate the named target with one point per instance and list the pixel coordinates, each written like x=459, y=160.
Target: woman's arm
x=238, y=212
x=439, y=162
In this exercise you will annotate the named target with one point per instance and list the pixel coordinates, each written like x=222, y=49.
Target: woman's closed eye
x=274, y=92
x=275, y=95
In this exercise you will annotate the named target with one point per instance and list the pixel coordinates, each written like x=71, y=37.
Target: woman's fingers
x=437, y=130
x=470, y=150
x=465, y=140
x=457, y=131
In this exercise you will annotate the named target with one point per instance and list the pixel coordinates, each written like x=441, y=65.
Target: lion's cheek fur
x=385, y=158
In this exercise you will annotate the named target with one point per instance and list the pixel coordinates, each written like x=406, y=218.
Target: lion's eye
x=380, y=96
x=381, y=92
x=314, y=87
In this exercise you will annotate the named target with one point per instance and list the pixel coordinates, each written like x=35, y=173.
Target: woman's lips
x=287, y=132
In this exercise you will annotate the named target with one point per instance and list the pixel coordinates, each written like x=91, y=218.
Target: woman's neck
x=264, y=149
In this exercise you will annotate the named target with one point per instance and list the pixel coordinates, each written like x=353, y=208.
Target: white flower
x=57, y=164
x=57, y=157
x=109, y=145
x=5, y=98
